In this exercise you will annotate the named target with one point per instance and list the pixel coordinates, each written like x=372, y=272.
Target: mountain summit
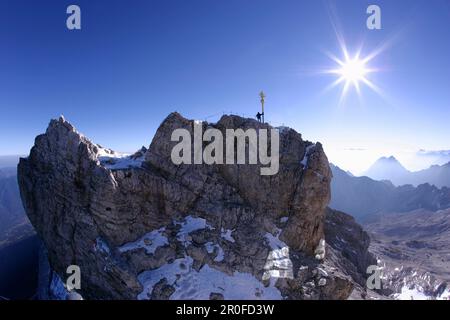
x=142, y=227
x=387, y=168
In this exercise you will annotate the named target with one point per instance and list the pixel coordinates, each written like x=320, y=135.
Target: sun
x=353, y=71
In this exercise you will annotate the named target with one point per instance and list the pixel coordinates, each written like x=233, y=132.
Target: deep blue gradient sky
x=133, y=62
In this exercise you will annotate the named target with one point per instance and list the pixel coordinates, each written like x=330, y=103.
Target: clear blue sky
x=133, y=62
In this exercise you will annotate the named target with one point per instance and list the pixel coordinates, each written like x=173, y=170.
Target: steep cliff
x=142, y=227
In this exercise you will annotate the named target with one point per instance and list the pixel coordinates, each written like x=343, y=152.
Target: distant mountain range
x=389, y=168
x=364, y=197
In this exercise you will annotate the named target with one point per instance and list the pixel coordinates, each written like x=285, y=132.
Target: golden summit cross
x=263, y=96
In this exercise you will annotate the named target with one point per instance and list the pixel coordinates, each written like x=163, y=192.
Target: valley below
x=414, y=252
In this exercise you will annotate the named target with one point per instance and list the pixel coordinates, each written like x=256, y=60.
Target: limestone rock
x=142, y=227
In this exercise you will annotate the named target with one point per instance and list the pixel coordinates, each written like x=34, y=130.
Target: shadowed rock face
x=351, y=241
x=130, y=222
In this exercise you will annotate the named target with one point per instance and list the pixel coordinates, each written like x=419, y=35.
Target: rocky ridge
x=142, y=227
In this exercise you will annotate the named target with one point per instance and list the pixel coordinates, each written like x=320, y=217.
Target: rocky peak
x=142, y=227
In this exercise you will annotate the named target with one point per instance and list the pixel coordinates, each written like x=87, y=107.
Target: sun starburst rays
x=352, y=71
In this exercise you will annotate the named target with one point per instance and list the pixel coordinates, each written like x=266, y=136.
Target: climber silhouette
x=258, y=116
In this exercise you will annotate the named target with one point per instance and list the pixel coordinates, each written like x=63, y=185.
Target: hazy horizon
x=413, y=160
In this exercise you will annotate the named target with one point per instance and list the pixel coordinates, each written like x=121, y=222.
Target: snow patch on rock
x=190, y=284
x=188, y=225
x=210, y=247
x=226, y=234
x=150, y=242
x=101, y=246
x=278, y=263
x=113, y=160
x=274, y=242
x=305, y=159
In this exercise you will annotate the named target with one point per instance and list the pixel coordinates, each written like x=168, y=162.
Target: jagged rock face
x=351, y=241
x=142, y=227
x=297, y=192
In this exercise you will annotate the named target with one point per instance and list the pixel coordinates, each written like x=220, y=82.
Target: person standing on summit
x=258, y=116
